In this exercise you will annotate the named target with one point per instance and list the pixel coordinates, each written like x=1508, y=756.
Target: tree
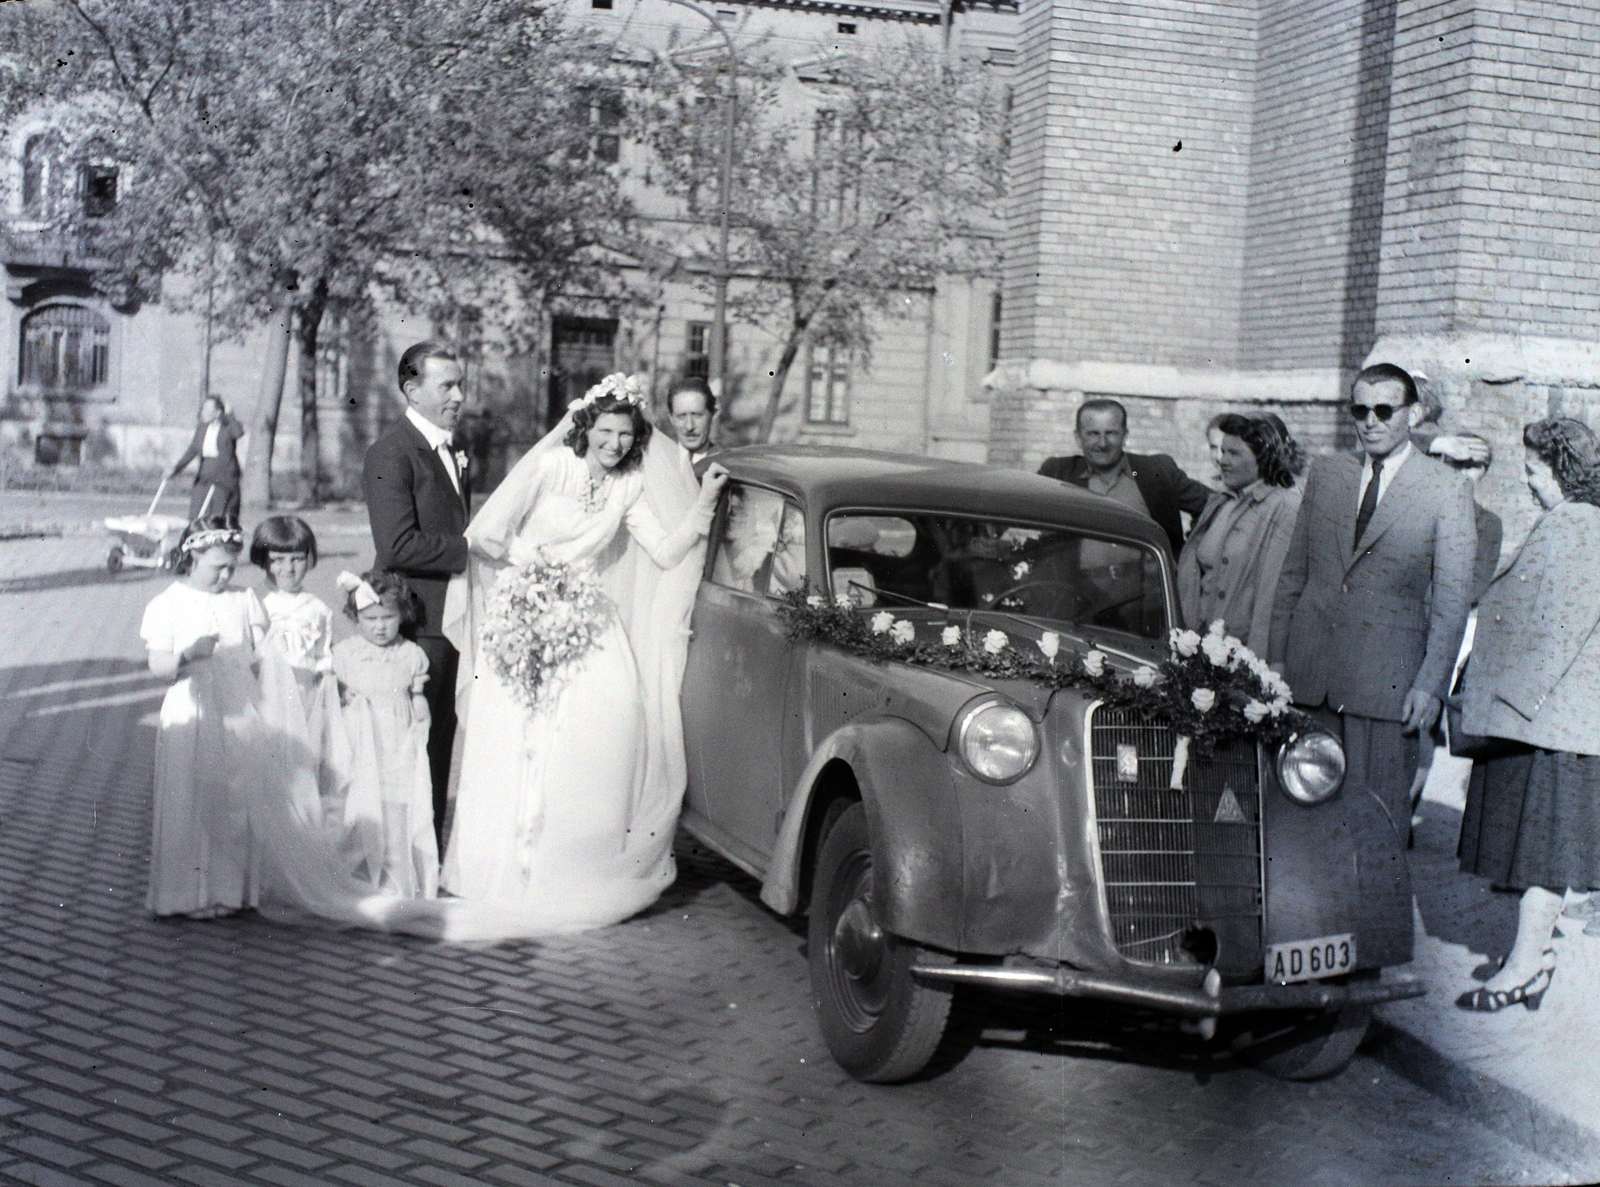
x=299, y=157
x=857, y=178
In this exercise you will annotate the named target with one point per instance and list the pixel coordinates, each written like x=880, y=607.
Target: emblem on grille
x=1127, y=763
x=1228, y=809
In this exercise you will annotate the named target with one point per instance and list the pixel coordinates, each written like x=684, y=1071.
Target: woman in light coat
x=1533, y=815
x=1229, y=566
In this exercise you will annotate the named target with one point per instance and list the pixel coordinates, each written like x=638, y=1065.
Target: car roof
x=826, y=477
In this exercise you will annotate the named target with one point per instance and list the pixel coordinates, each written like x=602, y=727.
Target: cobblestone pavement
x=675, y=1049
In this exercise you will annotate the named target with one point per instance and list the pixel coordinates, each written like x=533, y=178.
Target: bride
x=565, y=814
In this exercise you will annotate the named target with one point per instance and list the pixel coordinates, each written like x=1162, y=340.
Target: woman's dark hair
x=1270, y=450
x=282, y=533
x=1294, y=454
x=584, y=417
x=184, y=565
x=394, y=591
x=1569, y=448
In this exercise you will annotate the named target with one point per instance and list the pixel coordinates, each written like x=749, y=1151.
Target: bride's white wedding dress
x=564, y=817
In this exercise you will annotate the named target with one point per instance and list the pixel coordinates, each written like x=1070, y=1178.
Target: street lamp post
x=719, y=323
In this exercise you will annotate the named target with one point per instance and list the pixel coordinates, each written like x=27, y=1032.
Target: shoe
x=1530, y=993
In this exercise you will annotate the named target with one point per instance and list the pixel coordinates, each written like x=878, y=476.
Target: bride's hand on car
x=716, y=477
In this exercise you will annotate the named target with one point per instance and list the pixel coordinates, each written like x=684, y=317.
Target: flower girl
x=300, y=697
x=203, y=633
x=388, y=808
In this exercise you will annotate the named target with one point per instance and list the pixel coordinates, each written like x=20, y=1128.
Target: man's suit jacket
x=1165, y=489
x=416, y=515
x=1361, y=629
x=222, y=470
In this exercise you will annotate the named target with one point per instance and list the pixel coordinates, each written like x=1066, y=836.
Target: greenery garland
x=1211, y=689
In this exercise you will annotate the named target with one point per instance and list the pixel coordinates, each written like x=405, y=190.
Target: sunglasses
x=1358, y=412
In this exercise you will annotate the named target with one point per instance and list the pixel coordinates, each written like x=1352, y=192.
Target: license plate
x=1306, y=960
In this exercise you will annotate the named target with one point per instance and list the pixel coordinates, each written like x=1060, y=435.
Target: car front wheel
x=879, y=1021
x=1313, y=1047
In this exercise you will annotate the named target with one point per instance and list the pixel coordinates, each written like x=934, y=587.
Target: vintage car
x=940, y=828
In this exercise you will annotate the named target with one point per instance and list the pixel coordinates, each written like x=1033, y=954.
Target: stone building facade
x=1238, y=203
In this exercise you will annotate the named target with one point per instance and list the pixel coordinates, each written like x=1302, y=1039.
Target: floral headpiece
x=629, y=389
x=363, y=592
x=211, y=537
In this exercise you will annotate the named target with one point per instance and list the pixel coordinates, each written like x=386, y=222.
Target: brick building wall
x=1125, y=246
x=1316, y=183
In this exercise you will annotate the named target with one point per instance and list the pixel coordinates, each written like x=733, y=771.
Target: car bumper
x=1211, y=1000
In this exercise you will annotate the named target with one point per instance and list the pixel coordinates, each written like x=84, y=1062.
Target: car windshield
x=971, y=563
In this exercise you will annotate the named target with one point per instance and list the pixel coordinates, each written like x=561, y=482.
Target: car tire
x=1319, y=1047
x=880, y=1022
x=114, y=559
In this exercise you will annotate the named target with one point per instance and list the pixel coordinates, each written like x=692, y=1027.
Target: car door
x=741, y=669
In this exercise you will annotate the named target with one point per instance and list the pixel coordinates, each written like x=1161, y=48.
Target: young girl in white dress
x=203, y=633
x=388, y=804
x=299, y=695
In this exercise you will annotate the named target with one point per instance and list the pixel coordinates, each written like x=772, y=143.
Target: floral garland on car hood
x=1210, y=690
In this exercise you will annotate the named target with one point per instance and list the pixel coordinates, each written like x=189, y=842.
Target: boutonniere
x=462, y=459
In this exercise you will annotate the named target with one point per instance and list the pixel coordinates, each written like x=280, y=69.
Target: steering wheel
x=1073, y=597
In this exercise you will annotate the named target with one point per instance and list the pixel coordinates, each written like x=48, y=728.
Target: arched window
x=65, y=348
x=38, y=152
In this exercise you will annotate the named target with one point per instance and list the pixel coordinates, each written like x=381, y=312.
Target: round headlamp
x=1311, y=767
x=998, y=742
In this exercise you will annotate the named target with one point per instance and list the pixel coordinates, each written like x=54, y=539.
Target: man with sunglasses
x=1374, y=594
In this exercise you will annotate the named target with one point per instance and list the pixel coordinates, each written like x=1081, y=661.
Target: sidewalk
x=1533, y=1076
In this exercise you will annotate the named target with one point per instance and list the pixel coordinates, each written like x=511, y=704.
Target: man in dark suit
x=1374, y=594
x=419, y=497
x=1149, y=483
x=216, y=441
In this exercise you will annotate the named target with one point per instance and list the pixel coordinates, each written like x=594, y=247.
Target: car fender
x=913, y=819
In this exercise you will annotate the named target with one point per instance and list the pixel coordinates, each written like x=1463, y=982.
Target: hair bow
x=210, y=538
x=629, y=389
x=365, y=595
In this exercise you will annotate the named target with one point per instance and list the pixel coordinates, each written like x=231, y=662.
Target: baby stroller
x=147, y=541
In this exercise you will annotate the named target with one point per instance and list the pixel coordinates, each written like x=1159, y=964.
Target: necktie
x=1369, y=500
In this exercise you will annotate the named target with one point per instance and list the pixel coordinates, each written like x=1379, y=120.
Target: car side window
x=762, y=548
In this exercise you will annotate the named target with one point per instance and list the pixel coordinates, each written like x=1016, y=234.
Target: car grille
x=1173, y=862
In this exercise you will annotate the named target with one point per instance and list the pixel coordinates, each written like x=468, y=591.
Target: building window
x=827, y=385
x=605, y=4
x=697, y=350
x=98, y=185
x=600, y=111
x=847, y=27
x=994, y=331
x=37, y=154
x=65, y=348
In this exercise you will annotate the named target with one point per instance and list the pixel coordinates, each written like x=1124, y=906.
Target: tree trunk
x=309, y=326
x=769, y=414
x=257, y=479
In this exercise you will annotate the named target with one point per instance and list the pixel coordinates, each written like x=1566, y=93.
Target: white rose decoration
x=881, y=622
x=1203, y=699
x=1021, y=569
x=815, y=601
x=995, y=642
x=1145, y=676
x=1216, y=649
x=950, y=636
x=903, y=632
x=1254, y=712
x=1095, y=663
x=843, y=600
x=1050, y=644
x=1185, y=643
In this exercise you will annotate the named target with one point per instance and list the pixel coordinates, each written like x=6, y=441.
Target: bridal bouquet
x=539, y=621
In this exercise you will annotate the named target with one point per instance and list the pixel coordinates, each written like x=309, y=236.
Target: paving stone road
x=677, y=1048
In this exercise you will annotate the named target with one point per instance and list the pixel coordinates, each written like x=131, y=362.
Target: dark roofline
x=880, y=12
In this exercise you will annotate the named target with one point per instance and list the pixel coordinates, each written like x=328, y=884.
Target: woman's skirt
x=1533, y=819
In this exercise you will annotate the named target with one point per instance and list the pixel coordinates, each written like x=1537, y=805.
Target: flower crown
x=629, y=389
x=210, y=538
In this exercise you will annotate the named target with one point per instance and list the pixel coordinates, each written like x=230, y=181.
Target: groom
x=418, y=501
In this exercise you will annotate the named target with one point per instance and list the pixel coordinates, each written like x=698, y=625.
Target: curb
x=1504, y=1109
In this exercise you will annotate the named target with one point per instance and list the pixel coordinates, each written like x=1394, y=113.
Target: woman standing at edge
x=1533, y=815
x=1229, y=566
